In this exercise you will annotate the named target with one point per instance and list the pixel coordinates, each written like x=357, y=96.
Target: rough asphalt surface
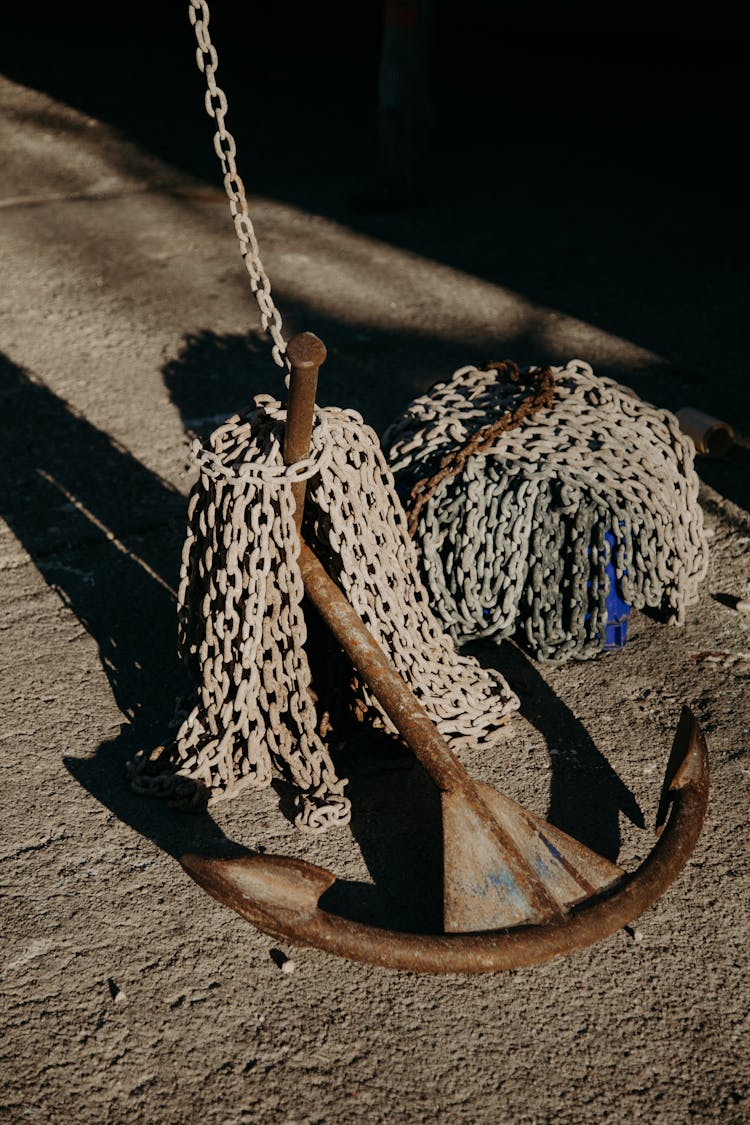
x=129, y=995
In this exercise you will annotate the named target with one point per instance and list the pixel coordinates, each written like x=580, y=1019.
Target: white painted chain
x=268, y=472
x=226, y=150
x=242, y=633
x=517, y=542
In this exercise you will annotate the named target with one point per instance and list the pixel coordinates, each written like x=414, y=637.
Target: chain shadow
x=105, y=533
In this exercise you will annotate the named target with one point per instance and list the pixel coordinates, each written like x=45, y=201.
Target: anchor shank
x=398, y=702
x=488, y=881
x=306, y=353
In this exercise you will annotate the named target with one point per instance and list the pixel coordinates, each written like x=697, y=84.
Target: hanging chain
x=226, y=150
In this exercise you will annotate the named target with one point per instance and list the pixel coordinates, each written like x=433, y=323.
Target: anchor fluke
x=261, y=887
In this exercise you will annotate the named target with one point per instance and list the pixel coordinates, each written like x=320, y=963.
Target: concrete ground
x=129, y=995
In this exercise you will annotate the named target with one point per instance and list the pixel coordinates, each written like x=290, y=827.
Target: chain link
x=538, y=394
x=520, y=540
x=226, y=150
x=242, y=633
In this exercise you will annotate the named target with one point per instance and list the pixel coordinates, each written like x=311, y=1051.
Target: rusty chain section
x=519, y=540
x=539, y=394
x=226, y=150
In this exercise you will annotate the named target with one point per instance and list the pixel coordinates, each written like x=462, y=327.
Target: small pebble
x=288, y=966
x=118, y=994
x=743, y=605
x=637, y=935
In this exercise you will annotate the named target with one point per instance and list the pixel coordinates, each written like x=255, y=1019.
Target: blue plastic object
x=618, y=611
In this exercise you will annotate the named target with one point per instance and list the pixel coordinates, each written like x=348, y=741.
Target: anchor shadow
x=396, y=824
x=586, y=795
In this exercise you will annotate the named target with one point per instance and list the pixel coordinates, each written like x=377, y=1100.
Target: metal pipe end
x=306, y=350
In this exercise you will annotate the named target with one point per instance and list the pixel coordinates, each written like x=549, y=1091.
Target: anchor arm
x=305, y=923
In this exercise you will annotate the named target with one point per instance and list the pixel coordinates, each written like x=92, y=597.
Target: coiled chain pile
x=242, y=632
x=518, y=540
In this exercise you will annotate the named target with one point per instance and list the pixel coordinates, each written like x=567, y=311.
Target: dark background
x=662, y=102
x=598, y=172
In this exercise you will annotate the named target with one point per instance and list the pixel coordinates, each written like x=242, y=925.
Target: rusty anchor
x=516, y=890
